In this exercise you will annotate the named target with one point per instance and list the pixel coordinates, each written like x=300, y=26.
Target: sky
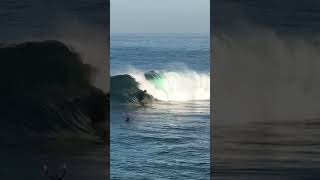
x=160, y=16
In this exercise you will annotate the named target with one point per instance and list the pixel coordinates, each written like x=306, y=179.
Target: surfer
x=127, y=116
x=58, y=175
x=141, y=96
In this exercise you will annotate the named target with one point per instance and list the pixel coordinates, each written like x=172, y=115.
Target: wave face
x=125, y=89
x=163, y=86
x=46, y=90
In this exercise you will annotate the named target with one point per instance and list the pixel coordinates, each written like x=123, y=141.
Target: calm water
x=167, y=140
x=159, y=52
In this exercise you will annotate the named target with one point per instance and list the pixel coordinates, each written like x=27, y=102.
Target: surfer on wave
x=141, y=97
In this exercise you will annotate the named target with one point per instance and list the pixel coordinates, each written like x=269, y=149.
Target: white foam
x=186, y=85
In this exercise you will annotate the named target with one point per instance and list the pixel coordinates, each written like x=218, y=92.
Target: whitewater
x=187, y=85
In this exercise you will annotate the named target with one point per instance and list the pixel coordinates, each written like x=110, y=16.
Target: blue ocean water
x=169, y=139
x=159, y=51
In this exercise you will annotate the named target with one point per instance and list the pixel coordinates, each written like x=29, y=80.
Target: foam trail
x=187, y=85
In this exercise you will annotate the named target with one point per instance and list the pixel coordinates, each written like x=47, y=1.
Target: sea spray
x=263, y=76
x=186, y=85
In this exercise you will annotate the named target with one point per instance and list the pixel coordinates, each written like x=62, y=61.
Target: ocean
x=54, y=109
x=266, y=121
x=169, y=138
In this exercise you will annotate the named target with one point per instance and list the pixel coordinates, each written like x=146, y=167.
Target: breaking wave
x=46, y=90
x=161, y=85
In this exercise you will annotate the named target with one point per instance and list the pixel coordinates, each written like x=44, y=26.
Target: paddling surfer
x=127, y=116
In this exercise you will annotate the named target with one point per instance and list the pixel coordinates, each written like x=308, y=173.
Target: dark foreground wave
x=125, y=89
x=46, y=90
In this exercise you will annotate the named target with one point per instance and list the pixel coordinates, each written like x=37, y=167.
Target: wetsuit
x=141, y=95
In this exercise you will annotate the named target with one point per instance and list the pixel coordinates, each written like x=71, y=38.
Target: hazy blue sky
x=160, y=16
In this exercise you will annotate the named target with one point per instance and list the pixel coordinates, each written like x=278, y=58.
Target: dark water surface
x=51, y=124
x=277, y=150
x=266, y=122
